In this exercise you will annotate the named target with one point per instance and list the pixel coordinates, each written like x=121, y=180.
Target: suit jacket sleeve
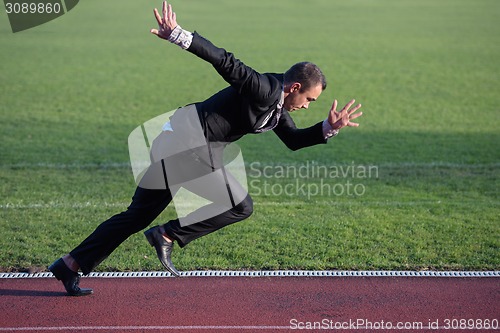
x=296, y=138
x=259, y=89
x=263, y=91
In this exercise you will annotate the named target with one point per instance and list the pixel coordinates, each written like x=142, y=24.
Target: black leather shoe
x=69, y=278
x=163, y=249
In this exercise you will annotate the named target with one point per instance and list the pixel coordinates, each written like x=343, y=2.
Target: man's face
x=300, y=100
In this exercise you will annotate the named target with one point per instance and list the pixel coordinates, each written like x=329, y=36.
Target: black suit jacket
x=242, y=107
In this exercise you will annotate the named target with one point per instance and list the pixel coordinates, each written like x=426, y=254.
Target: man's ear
x=295, y=87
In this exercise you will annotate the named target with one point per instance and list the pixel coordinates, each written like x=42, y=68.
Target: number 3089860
x=32, y=8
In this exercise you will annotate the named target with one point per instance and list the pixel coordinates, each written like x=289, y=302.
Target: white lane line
x=143, y=328
x=278, y=273
x=79, y=205
x=126, y=165
x=201, y=327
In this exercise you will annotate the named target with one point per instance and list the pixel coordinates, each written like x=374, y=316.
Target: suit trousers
x=147, y=204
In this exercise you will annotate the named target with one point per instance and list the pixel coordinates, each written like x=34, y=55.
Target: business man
x=252, y=103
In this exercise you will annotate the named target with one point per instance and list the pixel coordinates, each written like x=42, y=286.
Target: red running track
x=259, y=304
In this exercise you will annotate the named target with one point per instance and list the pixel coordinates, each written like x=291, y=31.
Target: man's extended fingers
x=334, y=106
x=348, y=106
x=169, y=13
x=343, y=118
x=356, y=108
x=354, y=116
x=164, y=11
x=158, y=17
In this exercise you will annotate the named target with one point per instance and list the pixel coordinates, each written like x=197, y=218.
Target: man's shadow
x=30, y=293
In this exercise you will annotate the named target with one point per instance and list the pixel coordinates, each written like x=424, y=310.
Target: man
x=252, y=103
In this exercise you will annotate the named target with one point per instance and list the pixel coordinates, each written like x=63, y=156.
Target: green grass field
x=428, y=76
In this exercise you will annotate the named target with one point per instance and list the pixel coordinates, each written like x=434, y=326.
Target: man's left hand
x=342, y=118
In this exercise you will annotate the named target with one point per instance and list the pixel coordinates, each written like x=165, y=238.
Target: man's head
x=304, y=82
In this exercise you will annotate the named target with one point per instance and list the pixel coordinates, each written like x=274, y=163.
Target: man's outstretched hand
x=342, y=118
x=165, y=24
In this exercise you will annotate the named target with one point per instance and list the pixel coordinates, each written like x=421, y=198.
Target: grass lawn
x=426, y=72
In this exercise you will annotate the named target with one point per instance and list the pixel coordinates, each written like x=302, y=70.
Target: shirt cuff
x=328, y=130
x=181, y=37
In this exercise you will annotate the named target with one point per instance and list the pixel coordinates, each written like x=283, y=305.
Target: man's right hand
x=166, y=24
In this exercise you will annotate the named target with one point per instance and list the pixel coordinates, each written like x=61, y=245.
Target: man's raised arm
x=259, y=88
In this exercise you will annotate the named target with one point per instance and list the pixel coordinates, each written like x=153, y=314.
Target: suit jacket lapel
x=270, y=119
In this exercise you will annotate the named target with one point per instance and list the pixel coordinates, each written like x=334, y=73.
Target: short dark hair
x=307, y=74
